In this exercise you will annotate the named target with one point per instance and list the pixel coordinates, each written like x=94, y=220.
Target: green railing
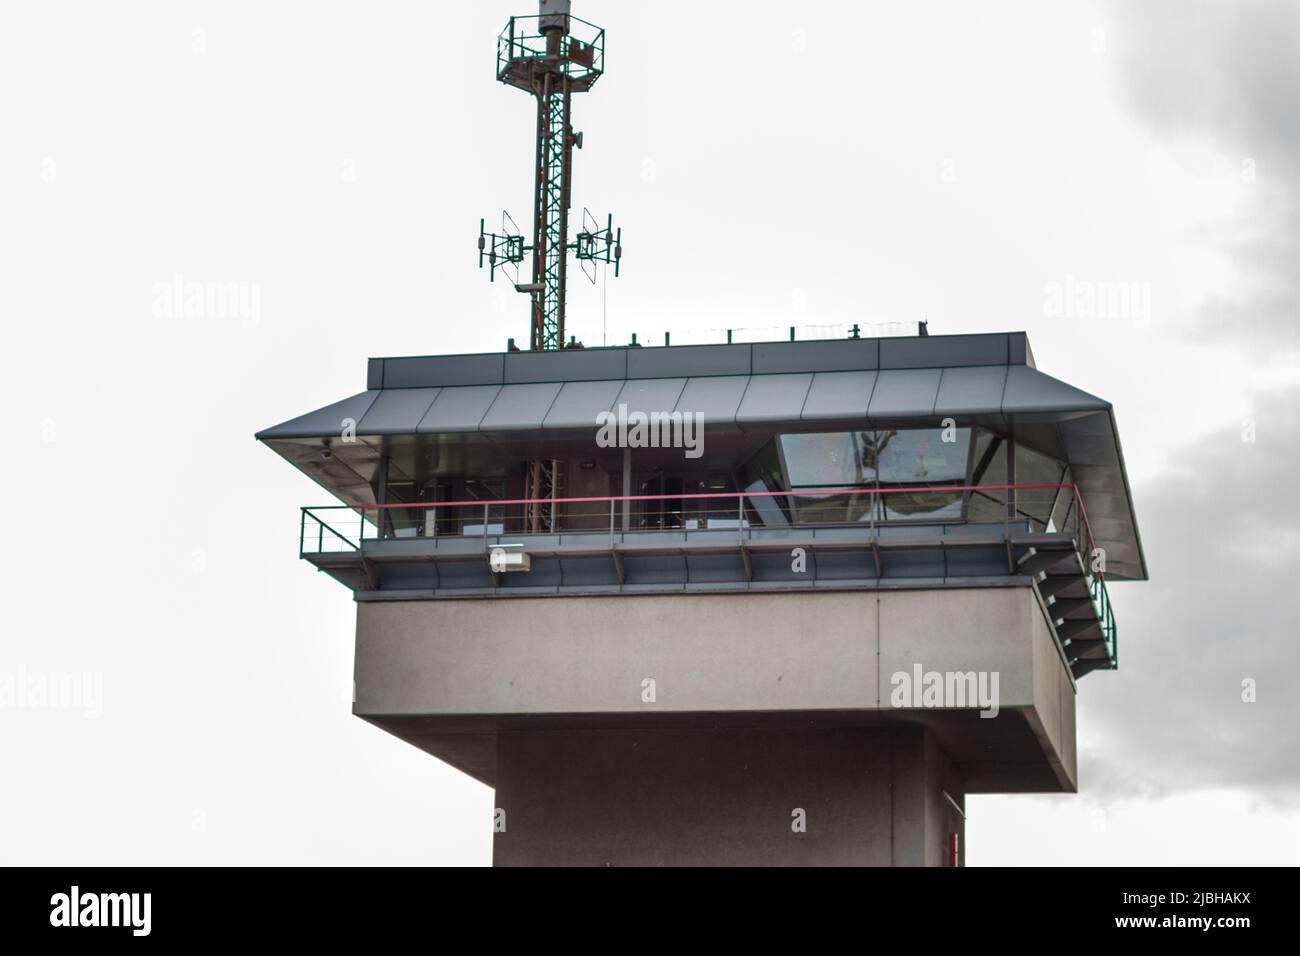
x=581, y=52
x=1106, y=615
x=317, y=536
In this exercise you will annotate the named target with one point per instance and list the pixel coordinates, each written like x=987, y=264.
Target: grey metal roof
x=397, y=411
x=579, y=403
x=520, y=407
x=904, y=393
x=717, y=398
x=651, y=394
x=457, y=409
x=778, y=397
x=326, y=422
x=977, y=390
x=724, y=400
x=1029, y=390
x=839, y=395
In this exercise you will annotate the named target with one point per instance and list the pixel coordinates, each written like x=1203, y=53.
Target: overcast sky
x=818, y=165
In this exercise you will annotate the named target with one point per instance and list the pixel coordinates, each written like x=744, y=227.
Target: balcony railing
x=1041, y=507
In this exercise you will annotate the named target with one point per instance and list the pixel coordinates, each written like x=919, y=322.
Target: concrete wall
x=1053, y=716
x=724, y=797
x=592, y=654
x=816, y=651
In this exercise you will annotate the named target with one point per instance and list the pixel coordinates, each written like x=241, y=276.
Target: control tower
x=869, y=584
x=770, y=603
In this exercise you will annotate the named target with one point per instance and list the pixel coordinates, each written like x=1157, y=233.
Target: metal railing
x=1040, y=507
x=581, y=53
x=1106, y=615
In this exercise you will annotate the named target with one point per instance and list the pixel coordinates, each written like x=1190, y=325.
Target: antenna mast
x=552, y=56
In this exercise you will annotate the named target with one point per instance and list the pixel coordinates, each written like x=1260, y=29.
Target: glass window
x=465, y=518
x=827, y=460
x=763, y=473
x=1035, y=468
x=830, y=460
x=920, y=459
x=931, y=462
x=423, y=519
x=989, y=470
x=835, y=508
x=663, y=507
x=402, y=522
x=920, y=456
x=1065, y=514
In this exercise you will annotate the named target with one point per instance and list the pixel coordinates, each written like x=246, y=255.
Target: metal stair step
x=1072, y=608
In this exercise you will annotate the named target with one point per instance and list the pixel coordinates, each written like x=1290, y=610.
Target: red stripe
x=712, y=494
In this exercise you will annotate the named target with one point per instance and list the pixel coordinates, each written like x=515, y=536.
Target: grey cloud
x=1222, y=534
x=1227, y=74
x=1221, y=525
x=1228, y=69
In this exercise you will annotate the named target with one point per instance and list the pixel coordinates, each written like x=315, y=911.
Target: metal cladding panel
x=397, y=411
x=836, y=356
x=1029, y=390
x=689, y=360
x=566, y=365
x=1101, y=479
x=714, y=567
x=1018, y=352
x=459, y=409
x=944, y=351
x=839, y=395
x=427, y=371
x=579, y=404
x=976, y=390
x=904, y=393
x=1092, y=425
x=774, y=398
x=1105, y=506
x=1089, y=450
x=765, y=358
x=544, y=573
x=654, y=569
x=1110, y=531
x=580, y=572
x=1090, y=440
x=651, y=394
x=716, y=398
x=520, y=407
x=346, y=475
x=324, y=422
x=1029, y=352
x=1125, y=570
